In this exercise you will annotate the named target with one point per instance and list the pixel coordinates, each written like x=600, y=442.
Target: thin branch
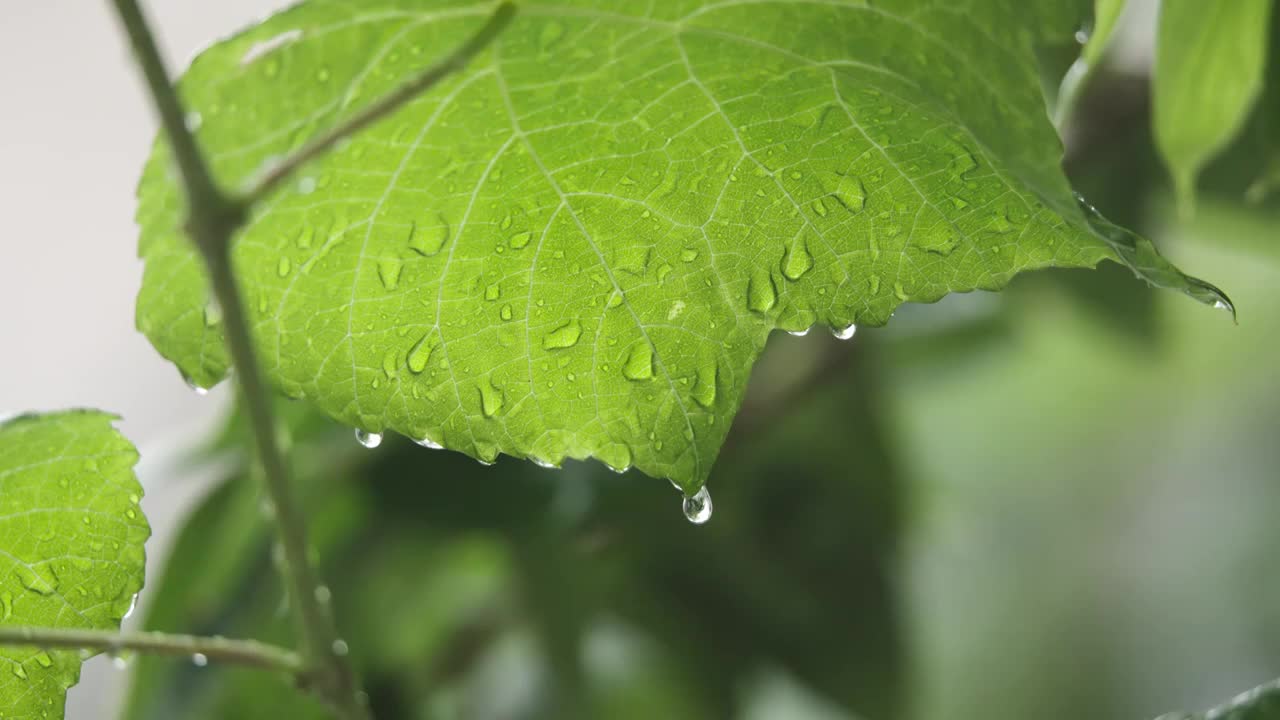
x=240, y=652
x=213, y=218
x=385, y=105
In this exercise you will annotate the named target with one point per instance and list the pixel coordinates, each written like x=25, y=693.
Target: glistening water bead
x=697, y=508
x=844, y=333
x=368, y=439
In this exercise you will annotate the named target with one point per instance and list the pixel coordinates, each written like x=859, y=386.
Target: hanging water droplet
x=639, y=363
x=195, y=387
x=118, y=660
x=798, y=333
x=427, y=442
x=844, y=333
x=565, y=336
x=368, y=439
x=199, y=660
x=697, y=508
x=546, y=464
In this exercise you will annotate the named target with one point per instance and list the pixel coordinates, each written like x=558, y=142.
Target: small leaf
x=594, y=228
x=1210, y=64
x=71, y=546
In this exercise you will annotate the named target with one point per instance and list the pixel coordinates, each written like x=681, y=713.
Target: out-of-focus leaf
x=578, y=246
x=1210, y=64
x=1260, y=703
x=71, y=546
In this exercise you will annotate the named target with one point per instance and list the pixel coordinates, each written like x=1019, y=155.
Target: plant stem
x=212, y=219
x=385, y=105
x=241, y=652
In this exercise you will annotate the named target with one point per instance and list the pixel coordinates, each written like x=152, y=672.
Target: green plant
x=568, y=238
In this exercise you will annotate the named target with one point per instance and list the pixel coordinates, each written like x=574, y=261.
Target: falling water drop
x=199, y=660
x=697, y=508
x=340, y=647
x=368, y=439
x=844, y=333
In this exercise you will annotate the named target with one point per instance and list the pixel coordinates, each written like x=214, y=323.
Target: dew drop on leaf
x=43, y=660
x=491, y=398
x=520, y=240
x=284, y=266
x=493, y=292
x=420, y=354
x=564, y=336
x=368, y=439
x=797, y=261
x=42, y=581
x=639, y=364
x=428, y=241
x=761, y=295
x=389, y=272
x=697, y=508
x=847, y=190
x=704, y=390
x=505, y=313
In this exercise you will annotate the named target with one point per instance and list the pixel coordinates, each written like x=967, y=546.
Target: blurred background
x=1056, y=502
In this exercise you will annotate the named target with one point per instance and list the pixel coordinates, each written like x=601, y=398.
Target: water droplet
x=844, y=333
x=798, y=333
x=389, y=272
x=565, y=336
x=427, y=442
x=199, y=660
x=697, y=508
x=6, y=605
x=639, y=364
x=493, y=292
x=545, y=464
x=193, y=121
x=491, y=398
x=689, y=255
x=306, y=185
x=420, y=354
x=368, y=439
x=761, y=294
x=819, y=207
x=505, y=313
x=340, y=647
x=323, y=594
x=704, y=390
x=796, y=261
x=19, y=671
x=39, y=579
x=847, y=190
x=430, y=240
x=43, y=660
x=118, y=660
x=284, y=266
x=133, y=605
x=212, y=314
x=195, y=387
x=520, y=240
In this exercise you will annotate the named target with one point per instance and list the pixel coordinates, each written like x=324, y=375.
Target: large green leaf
x=71, y=546
x=579, y=246
x=1210, y=64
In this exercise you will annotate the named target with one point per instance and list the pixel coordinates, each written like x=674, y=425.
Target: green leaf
x=71, y=546
x=579, y=246
x=1210, y=64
